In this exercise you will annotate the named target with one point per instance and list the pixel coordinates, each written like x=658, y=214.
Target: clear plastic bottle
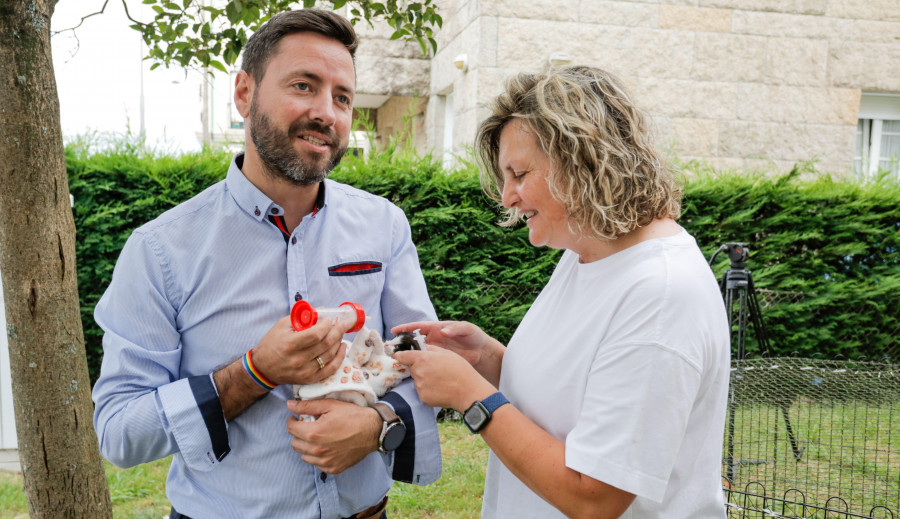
x=304, y=315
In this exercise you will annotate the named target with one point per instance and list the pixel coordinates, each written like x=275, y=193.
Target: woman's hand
x=445, y=379
x=466, y=340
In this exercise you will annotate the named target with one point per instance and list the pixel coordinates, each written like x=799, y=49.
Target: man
x=190, y=350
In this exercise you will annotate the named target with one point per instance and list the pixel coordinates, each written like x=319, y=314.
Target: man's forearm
x=237, y=391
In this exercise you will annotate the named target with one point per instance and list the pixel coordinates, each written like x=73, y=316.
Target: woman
x=617, y=376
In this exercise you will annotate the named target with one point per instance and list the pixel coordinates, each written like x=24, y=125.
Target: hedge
x=830, y=245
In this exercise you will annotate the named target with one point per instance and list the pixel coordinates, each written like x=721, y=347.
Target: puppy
x=367, y=372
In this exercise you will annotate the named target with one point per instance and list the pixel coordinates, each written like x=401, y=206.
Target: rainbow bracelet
x=257, y=377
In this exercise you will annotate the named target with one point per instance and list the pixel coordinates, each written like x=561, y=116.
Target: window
x=360, y=143
x=878, y=136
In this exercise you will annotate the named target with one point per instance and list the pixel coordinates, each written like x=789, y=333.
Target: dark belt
x=373, y=512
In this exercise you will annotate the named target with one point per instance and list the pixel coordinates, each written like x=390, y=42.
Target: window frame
x=874, y=109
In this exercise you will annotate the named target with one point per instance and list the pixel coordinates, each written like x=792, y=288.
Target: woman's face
x=526, y=170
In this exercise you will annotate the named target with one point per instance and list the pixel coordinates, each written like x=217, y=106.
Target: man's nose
x=322, y=109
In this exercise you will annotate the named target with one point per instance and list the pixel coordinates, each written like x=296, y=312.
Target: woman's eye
x=520, y=174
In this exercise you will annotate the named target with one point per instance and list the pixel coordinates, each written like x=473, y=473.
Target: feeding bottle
x=303, y=315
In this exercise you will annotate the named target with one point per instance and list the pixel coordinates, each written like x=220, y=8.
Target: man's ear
x=243, y=92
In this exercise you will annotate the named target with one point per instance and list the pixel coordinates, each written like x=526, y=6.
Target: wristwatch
x=479, y=414
x=393, y=431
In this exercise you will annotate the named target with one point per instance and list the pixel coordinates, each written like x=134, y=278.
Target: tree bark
x=62, y=467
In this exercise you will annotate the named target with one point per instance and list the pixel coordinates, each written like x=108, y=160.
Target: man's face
x=301, y=112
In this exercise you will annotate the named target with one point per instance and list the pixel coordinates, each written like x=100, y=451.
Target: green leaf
x=423, y=45
x=217, y=65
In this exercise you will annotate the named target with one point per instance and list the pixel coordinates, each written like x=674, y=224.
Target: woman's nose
x=509, y=196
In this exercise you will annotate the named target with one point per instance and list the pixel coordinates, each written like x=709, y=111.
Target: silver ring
x=321, y=364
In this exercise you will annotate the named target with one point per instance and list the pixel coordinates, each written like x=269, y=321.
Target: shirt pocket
x=360, y=280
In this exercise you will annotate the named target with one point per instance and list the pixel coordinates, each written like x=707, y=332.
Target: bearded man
x=199, y=353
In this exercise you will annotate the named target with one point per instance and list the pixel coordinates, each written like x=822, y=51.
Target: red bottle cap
x=360, y=316
x=303, y=315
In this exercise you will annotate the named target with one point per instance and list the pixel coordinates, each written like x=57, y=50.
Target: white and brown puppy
x=368, y=371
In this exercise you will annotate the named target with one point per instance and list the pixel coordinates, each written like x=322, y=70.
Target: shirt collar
x=253, y=201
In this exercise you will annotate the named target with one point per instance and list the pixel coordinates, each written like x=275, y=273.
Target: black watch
x=479, y=414
x=393, y=431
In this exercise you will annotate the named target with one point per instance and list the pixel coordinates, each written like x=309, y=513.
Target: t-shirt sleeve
x=634, y=416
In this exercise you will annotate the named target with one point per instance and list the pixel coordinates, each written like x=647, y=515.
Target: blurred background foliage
x=824, y=251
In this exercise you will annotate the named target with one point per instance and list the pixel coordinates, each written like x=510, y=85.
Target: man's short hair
x=263, y=44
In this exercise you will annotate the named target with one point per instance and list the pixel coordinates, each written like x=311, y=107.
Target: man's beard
x=276, y=149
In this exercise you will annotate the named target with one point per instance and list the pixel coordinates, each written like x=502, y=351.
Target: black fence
x=755, y=502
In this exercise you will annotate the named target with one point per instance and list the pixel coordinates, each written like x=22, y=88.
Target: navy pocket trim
x=356, y=268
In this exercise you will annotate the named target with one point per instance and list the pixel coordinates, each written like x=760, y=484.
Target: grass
x=848, y=450
x=139, y=492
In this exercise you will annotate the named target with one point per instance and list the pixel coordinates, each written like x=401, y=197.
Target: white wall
x=7, y=416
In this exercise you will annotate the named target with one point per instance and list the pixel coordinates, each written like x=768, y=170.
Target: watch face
x=394, y=436
x=475, y=417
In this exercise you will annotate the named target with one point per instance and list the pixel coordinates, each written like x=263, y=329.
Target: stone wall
x=737, y=83
x=402, y=118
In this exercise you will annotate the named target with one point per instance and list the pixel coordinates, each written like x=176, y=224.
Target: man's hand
x=286, y=356
x=342, y=435
x=283, y=356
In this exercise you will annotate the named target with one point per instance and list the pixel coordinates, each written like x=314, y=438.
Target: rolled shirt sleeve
x=405, y=299
x=418, y=459
x=144, y=409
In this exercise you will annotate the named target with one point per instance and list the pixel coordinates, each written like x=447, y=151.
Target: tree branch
x=129, y=14
x=83, y=18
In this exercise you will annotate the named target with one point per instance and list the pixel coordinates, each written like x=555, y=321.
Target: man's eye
x=303, y=87
x=343, y=100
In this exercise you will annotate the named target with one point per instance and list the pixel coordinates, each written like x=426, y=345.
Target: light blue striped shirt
x=200, y=285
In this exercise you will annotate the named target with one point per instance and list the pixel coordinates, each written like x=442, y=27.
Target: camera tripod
x=742, y=307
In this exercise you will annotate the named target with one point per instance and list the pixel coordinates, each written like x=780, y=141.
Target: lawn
x=139, y=492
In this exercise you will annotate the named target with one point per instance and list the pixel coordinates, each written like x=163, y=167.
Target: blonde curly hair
x=604, y=169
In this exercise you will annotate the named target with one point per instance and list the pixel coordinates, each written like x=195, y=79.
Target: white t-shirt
x=626, y=360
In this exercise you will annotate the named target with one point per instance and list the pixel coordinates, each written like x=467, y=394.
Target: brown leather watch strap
x=385, y=412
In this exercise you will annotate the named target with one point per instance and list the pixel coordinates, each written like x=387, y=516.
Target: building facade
x=744, y=84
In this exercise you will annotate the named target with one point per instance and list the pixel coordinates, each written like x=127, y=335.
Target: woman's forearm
x=539, y=461
x=491, y=361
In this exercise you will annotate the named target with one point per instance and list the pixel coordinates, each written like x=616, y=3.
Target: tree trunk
x=61, y=462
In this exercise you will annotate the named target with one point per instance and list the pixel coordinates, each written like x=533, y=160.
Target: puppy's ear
x=407, y=342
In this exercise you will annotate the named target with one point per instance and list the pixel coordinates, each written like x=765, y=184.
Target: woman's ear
x=243, y=93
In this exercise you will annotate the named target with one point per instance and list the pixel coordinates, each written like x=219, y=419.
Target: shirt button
x=323, y=476
x=274, y=210
x=297, y=296
x=256, y=211
x=294, y=240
